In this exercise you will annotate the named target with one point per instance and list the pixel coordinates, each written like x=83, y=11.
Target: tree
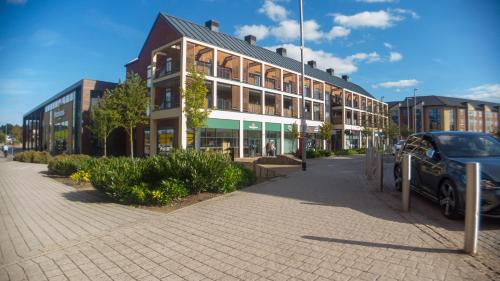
x=3, y=137
x=405, y=133
x=103, y=121
x=325, y=131
x=295, y=133
x=129, y=100
x=390, y=132
x=195, y=106
x=367, y=128
x=17, y=133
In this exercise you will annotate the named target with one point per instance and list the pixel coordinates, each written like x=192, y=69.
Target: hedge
x=32, y=156
x=67, y=164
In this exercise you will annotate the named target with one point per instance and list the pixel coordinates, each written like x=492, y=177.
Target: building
x=254, y=94
x=60, y=124
x=439, y=113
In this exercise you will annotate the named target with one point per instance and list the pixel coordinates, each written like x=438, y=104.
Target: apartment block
x=440, y=113
x=254, y=94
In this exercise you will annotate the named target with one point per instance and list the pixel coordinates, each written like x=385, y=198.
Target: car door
x=431, y=167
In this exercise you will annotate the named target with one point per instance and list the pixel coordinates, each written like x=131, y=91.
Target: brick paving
x=323, y=224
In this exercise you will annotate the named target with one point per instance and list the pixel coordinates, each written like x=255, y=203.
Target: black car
x=438, y=169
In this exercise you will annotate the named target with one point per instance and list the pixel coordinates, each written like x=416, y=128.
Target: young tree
x=367, y=128
x=195, y=107
x=390, y=132
x=17, y=133
x=325, y=131
x=103, y=121
x=129, y=100
x=405, y=133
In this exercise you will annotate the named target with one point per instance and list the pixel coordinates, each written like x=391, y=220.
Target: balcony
x=224, y=104
x=167, y=104
x=289, y=88
x=336, y=101
x=254, y=108
x=271, y=84
x=316, y=115
x=308, y=115
x=167, y=69
x=203, y=67
x=317, y=94
x=337, y=120
x=269, y=110
x=287, y=112
x=254, y=79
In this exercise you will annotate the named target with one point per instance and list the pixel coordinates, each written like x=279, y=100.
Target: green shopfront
x=273, y=136
x=252, y=138
x=290, y=143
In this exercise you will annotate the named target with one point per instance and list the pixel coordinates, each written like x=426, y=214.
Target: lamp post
x=303, y=121
x=415, y=110
x=407, y=115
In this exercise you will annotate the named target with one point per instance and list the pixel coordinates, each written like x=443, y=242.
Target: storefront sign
x=252, y=125
x=273, y=127
x=59, y=113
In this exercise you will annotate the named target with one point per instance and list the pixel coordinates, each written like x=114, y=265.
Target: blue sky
x=446, y=47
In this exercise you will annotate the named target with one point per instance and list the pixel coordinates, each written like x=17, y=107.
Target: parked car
x=438, y=169
x=397, y=147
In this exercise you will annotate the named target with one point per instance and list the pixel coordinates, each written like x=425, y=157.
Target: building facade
x=254, y=94
x=60, y=124
x=439, y=113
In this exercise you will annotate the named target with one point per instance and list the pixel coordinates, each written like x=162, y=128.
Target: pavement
x=328, y=223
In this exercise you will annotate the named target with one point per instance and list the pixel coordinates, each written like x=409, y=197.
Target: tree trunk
x=131, y=131
x=105, y=146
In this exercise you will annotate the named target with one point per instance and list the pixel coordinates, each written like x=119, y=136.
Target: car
x=438, y=169
x=397, y=147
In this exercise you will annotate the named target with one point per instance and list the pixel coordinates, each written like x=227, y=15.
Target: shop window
x=165, y=140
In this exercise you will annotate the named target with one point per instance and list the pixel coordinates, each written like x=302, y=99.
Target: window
x=220, y=140
x=434, y=119
x=165, y=140
x=168, y=65
x=451, y=117
x=167, y=102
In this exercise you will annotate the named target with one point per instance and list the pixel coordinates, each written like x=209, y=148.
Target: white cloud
x=259, y=31
x=325, y=60
x=398, y=84
x=273, y=11
x=374, y=19
x=387, y=45
x=395, y=56
x=338, y=31
x=288, y=30
x=486, y=92
x=46, y=37
x=17, y=2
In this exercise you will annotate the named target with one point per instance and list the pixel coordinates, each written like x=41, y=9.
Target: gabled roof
x=219, y=39
x=448, y=101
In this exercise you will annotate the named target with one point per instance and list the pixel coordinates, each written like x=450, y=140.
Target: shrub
x=32, y=156
x=248, y=176
x=67, y=164
x=361, y=150
x=80, y=176
x=345, y=152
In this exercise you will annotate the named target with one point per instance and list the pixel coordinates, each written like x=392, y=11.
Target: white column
x=264, y=139
x=215, y=95
x=214, y=64
x=241, y=69
x=263, y=100
x=281, y=100
x=241, y=138
x=182, y=119
x=241, y=98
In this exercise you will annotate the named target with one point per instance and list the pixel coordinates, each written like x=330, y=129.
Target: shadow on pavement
x=383, y=245
x=87, y=196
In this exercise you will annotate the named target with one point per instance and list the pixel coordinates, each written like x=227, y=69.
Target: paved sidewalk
x=323, y=224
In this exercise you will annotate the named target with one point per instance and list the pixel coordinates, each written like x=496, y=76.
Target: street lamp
x=303, y=119
x=414, y=110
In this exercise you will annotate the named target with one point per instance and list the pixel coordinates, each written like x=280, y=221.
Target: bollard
x=367, y=161
x=369, y=158
x=472, y=193
x=406, y=169
x=380, y=171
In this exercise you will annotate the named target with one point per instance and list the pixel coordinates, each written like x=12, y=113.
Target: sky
x=389, y=47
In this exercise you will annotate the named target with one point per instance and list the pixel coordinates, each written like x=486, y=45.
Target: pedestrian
x=273, y=149
x=5, y=150
x=268, y=149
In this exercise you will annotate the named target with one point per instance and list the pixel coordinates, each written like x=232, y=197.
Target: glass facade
x=419, y=120
x=252, y=139
x=290, y=143
x=434, y=119
x=220, y=140
x=273, y=136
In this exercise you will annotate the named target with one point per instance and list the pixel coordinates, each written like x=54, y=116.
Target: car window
x=425, y=147
x=468, y=145
x=411, y=144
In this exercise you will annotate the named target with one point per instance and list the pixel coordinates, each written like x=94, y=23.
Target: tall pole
x=407, y=114
x=303, y=119
x=415, y=110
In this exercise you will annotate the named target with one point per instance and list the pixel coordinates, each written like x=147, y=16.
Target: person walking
x=268, y=149
x=5, y=150
x=273, y=149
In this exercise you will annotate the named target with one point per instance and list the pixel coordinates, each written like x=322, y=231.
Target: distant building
x=60, y=124
x=439, y=113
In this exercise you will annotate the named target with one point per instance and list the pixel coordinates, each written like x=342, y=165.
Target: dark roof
x=219, y=39
x=448, y=101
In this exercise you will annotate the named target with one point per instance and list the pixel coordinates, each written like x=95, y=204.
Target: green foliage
x=405, y=133
x=194, y=96
x=325, y=131
x=361, y=150
x=3, y=137
x=346, y=152
x=159, y=180
x=129, y=101
x=32, y=156
x=295, y=133
x=103, y=121
x=316, y=153
x=67, y=164
x=390, y=132
x=80, y=176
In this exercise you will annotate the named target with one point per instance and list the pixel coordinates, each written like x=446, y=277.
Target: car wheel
x=398, y=178
x=448, y=200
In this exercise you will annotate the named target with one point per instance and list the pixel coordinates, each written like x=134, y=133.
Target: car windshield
x=401, y=142
x=468, y=145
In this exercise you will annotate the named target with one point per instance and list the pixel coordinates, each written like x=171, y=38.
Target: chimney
x=251, y=40
x=281, y=51
x=331, y=71
x=212, y=25
x=345, y=77
x=312, y=63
